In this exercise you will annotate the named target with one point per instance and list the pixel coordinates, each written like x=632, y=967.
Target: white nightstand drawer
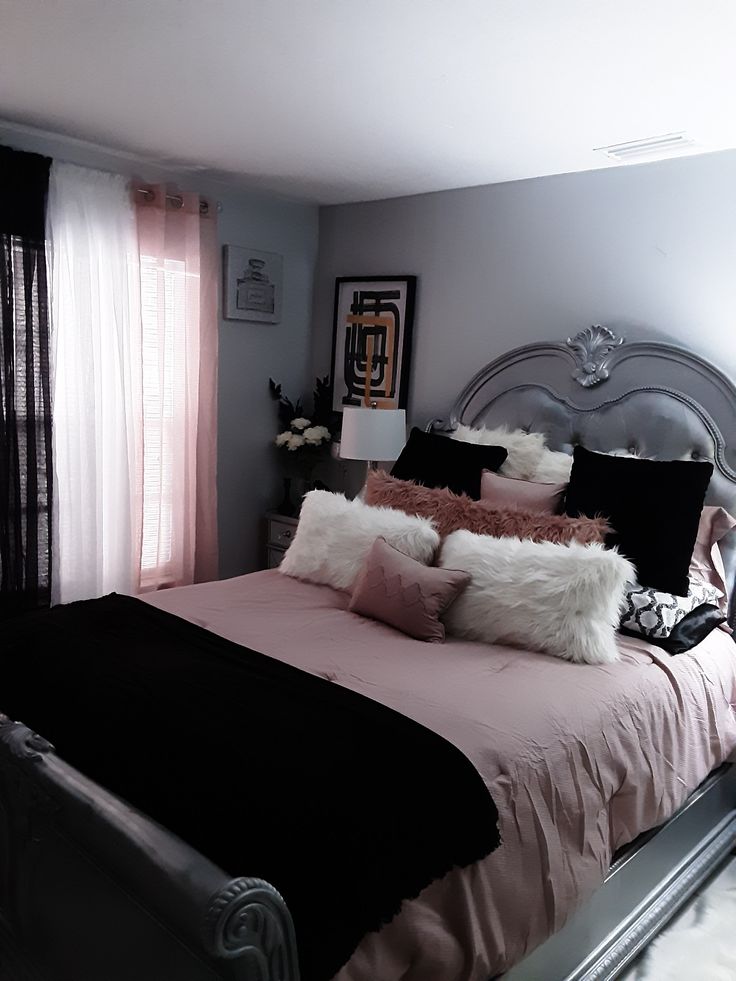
x=281, y=532
x=274, y=557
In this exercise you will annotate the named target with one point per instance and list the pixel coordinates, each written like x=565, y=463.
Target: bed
x=615, y=795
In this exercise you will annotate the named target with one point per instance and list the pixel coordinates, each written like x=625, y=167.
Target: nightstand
x=280, y=531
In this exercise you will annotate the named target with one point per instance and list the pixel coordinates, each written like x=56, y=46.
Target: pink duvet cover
x=579, y=759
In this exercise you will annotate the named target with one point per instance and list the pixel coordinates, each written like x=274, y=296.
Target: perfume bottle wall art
x=253, y=284
x=255, y=293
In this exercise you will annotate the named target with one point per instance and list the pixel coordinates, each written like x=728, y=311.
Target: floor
x=699, y=944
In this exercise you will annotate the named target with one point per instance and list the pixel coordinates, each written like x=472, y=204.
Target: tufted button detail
x=695, y=455
x=632, y=449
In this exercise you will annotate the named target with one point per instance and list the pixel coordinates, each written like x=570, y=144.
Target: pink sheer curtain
x=176, y=478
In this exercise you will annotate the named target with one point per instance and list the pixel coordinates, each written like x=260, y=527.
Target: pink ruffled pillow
x=403, y=593
x=706, y=563
x=507, y=492
x=452, y=512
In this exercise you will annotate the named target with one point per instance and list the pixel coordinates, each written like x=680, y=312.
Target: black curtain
x=26, y=469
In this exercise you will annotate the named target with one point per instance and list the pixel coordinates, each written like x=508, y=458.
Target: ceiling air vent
x=652, y=148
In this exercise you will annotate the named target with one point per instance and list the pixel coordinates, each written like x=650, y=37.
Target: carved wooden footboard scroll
x=91, y=889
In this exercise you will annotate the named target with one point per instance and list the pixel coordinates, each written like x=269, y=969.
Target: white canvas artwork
x=253, y=284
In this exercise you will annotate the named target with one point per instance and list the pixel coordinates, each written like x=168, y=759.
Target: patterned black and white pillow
x=652, y=613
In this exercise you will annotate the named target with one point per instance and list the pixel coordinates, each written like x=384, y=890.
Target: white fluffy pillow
x=564, y=600
x=553, y=468
x=334, y=536
x=524, y=449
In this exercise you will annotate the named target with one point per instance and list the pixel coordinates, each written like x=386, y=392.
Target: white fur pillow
x=564, y=600
x=334, y=536
x=553, y=468
x=524, y=449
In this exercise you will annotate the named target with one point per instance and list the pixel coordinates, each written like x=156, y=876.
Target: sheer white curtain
x=96, y=331
x=134, y=339
x=178, y=264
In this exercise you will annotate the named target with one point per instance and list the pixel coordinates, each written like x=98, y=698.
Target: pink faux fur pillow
x=451, y=512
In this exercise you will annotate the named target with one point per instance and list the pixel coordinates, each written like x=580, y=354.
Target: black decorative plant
x=303, y=440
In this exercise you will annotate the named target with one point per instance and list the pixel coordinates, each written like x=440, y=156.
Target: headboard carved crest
x=591, y=348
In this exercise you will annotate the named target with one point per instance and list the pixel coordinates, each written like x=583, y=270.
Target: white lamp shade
x=372, y=434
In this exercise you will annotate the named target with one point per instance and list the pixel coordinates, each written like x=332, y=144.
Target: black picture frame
x=403, y=341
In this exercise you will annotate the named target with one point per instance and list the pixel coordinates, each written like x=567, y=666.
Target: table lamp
x=372, y=434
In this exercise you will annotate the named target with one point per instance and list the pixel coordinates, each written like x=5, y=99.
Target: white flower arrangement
x=305, y=438
x=310, y=436
x=292, y=441
x=317, y=435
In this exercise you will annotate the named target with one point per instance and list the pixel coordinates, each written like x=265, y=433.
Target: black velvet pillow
x=689, y=631
x=438, y=461
x=653, y=506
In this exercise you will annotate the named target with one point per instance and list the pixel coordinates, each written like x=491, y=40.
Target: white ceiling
x=344, y=100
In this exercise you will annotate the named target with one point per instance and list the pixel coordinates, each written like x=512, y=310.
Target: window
x=164, y=392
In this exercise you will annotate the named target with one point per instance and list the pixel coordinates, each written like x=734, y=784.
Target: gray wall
x=649, y=250
x=248, y=480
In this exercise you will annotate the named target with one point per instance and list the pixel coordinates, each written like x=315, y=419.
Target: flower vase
x=287, y=506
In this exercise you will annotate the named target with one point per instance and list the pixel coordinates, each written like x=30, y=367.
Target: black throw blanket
x=346, y=806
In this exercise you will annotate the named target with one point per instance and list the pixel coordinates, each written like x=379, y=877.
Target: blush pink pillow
x=452, y=512
x=707, y=563
x=506, y=492
x=398, y=590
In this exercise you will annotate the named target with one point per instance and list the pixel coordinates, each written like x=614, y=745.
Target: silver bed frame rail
x=649, y=881
x=92, y=890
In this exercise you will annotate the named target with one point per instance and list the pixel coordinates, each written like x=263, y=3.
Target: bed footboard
x=90, y=888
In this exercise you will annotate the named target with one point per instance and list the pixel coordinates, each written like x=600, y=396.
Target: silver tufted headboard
x=653, y=398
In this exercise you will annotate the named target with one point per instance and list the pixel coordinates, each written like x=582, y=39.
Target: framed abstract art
x=371, y=341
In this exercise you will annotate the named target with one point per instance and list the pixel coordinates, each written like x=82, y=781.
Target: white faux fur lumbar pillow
x=334, y=537
x=525, y=450
x=564, y=600
x=553, y=468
